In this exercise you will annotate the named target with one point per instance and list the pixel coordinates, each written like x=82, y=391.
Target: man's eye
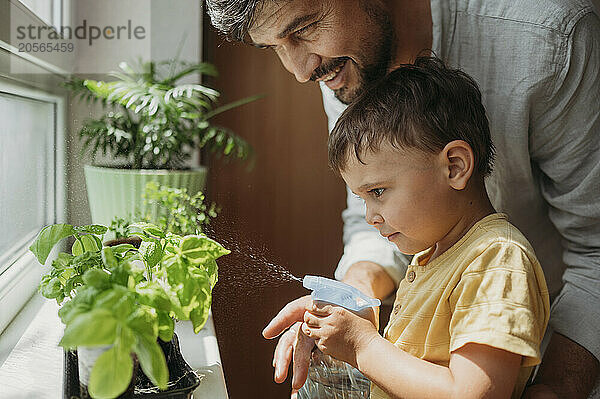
x=303, y=31
x=263, y=46
x=377, y=192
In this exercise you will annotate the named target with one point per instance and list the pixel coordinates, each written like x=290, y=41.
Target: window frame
x=20, y=275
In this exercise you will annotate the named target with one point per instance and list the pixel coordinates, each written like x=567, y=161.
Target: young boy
x=470, y=314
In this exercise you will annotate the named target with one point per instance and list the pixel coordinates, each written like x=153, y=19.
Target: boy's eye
x=377, y=192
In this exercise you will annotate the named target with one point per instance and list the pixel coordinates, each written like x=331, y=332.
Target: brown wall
x=286, y=210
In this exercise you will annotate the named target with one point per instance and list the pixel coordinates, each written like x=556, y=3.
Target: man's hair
x=424, y=105
x=233, y=18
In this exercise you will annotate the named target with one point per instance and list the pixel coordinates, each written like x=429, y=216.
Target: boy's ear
x=459, y=163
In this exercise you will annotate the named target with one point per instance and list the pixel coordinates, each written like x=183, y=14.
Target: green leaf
x=119, y=301
x=62, y=261
x=148, y=228
x=111, y=373
x=199, y=316
x=200, y=248
x=122, y=249
x=52, y=289
x=152, y=294
x=92, y=229
x=89, y=242
x=166, y=326
x=144, y=322
x=48, y=238
x=108, y=258
x=213, y=272
x=95, y=328
x=152, y=360
x=232, y=105
x=97, y=278
x=152, y=252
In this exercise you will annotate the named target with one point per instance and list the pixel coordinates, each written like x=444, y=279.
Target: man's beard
x=382, y=58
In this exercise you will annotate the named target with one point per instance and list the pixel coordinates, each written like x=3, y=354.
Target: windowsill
x=15, y=330
x=32, y=362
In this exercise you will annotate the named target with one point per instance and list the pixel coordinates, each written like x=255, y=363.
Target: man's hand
x=292, y=345
x=568, y=370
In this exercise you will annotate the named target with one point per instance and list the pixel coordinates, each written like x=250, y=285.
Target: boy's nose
x=373, y=218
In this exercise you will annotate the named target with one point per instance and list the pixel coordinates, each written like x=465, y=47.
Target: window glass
x=44, y=9
x=26, y=172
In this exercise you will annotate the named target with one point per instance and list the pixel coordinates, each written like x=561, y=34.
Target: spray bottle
x=338, y=293
x=329, y=377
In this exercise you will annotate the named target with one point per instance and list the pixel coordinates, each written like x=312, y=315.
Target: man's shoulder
x=559, y=16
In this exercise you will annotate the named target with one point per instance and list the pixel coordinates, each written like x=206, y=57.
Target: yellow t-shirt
x=488, y=288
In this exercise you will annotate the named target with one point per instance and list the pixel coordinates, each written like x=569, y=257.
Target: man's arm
x=568, y=370
x=565, y=144
x=370, y=278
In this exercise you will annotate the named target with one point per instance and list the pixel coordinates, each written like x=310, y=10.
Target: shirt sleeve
x=502, y=301
x=565, y=144
x=362, y=242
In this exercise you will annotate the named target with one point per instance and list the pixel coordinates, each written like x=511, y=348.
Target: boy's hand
x=337, y=331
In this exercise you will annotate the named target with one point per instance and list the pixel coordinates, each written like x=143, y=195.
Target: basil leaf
x=108, y=258
x=122, y=248
x=92, y=229
x=152, y=360
x=213, y=272
x=200, y=249
x=166, y=326
x=52, y=289
x=89, y=242
x=153, y=295
x=199, y=316
x=111, y=374
x=97, y=278
x=62, y=261
x=48, y=238
x=148, y=229
x=151, y=251
x=143, y=322
x=97, y=327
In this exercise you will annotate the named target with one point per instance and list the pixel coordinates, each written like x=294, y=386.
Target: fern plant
x=152, y=120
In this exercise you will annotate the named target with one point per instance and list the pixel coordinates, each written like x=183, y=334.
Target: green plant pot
x=119, y=192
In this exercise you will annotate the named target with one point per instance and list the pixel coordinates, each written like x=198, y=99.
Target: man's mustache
x=326, y=69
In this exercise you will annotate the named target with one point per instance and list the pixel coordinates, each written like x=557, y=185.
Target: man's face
x=406, y=194
x=344, y=43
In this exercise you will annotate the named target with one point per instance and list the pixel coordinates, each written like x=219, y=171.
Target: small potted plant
x=118, y=303
x=151, y=127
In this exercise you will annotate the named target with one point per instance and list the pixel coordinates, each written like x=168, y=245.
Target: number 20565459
x=46, y=47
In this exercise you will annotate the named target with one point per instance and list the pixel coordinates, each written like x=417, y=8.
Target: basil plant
x=127, y=297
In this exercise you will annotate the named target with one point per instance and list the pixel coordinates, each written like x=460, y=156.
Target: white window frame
x=20, y=276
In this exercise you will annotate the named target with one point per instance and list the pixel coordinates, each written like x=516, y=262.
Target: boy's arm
x=475, y=371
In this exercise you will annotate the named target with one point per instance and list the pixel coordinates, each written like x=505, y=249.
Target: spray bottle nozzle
x=338, y=293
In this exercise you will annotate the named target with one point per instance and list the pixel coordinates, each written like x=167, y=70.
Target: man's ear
x=459, y=163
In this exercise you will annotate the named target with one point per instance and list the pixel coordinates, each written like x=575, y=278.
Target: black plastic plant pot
x=182, y=379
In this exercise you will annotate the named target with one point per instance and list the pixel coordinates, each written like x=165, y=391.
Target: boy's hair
x=424, y=105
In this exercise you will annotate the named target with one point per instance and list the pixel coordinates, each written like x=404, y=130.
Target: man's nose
x=301, y=63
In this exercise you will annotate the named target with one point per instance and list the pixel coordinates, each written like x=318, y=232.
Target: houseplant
x=172, y=209
x=151, y=127
x=125, y=298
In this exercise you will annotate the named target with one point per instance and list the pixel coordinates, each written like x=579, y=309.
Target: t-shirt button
x=411, y=276
x=397, y=308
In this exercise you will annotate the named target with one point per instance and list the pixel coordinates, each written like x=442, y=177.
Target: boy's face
x=407, y=195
